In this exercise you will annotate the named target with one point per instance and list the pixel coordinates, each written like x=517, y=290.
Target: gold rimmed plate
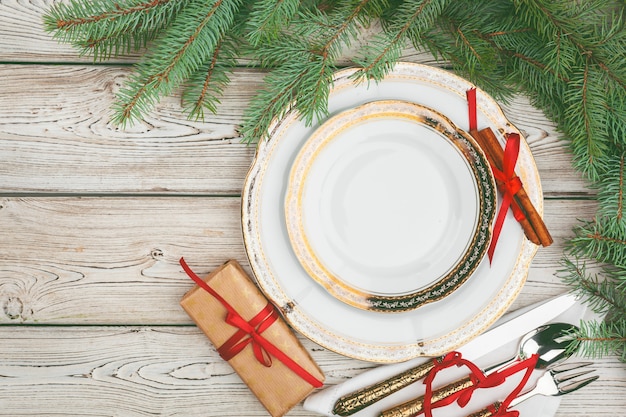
x=389, y=206
x=430, y=330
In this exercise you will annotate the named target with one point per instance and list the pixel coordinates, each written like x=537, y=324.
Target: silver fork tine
x=573, y=386
x=553, y=383
x=564, y=367
x=558, y=378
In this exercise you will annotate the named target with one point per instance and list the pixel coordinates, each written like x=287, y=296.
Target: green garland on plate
x=568, y=56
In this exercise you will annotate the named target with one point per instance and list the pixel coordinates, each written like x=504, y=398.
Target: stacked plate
x=385, y=207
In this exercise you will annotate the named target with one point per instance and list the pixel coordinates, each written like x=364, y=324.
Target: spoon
x=551, y=342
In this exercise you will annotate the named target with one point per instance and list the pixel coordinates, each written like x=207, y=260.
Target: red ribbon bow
x=479, y=380
x=508, y=183
x=263, y=348
x=253, y=328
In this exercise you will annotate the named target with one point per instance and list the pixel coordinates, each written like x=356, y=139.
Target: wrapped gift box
x=276, y=386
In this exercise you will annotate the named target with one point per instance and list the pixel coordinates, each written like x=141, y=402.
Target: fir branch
x=602, y=239
x=269, y=19
x=302, y=79
x=586, y=117
x=176, y=58
x=411, y=19
x=612, y=188
x=601, y=338
x=602, y=295
x=606, y=296
x=205, y=87
x=269, y=103
x=551, y=22
x=460, y=37
x=110, y=27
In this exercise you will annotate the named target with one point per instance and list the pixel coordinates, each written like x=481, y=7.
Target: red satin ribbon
x=263, y=349
x=471, y=109
x=508, y=183
x=253, y=328
x=479, y=380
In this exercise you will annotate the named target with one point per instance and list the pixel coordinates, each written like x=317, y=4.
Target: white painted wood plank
x=55, y=137
x=109, y=260
x=23, y=36
x=115, y=260
x=174, y=371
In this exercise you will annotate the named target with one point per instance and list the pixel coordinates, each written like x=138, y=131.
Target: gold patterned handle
x=358, y=400
x=416, y=406
x=486, y=412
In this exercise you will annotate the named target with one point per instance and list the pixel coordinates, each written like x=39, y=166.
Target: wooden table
x=93, y=220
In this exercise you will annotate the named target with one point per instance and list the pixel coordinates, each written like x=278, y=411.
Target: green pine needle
x=409, y=21
x=597, y=339
x=268, y=19
x=110, y=28
x=206, y=85
x=189, y=42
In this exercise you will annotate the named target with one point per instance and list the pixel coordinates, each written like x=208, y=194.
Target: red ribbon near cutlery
x=479, y=380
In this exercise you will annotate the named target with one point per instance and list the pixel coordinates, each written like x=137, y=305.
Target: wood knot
x=156, y=253
x=14, y=308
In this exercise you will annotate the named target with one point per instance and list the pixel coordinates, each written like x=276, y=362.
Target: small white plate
x=431, y=330
x=389, y=206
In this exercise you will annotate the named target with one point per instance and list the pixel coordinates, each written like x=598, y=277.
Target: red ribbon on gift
x=508, y=183
x=479, y=380
x=263, y=349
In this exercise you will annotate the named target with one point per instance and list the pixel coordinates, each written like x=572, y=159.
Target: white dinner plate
x=431, y=330
x=389, y=206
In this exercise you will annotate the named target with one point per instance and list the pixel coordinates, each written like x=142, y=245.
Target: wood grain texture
x=174, y=371
x=94, y=218
x=114, y=260
x=56, y=137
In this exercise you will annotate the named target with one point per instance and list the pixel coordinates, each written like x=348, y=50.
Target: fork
x=553, y=383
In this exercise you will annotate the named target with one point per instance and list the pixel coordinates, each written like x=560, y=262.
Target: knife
x=489, y=340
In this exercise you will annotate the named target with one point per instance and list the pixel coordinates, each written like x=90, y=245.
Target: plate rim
x=375, y=352
x=460, y=269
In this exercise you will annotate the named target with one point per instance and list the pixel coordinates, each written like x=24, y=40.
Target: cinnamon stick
x=495, y=153
x=526, y=226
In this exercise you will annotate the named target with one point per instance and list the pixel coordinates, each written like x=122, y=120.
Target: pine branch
x=185, y=46
x=602, y=239
x=586, y=42
x=602, y=295
x=110, y=27
x=205, y=87
x=411, y=19
x=586, y=117
x=611, y=188
x=461, y=37
x=597, y=339
x=302, y=78
x=269, y=19
x=607, y=297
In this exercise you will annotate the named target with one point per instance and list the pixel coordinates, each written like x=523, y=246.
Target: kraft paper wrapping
x=277, y=387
